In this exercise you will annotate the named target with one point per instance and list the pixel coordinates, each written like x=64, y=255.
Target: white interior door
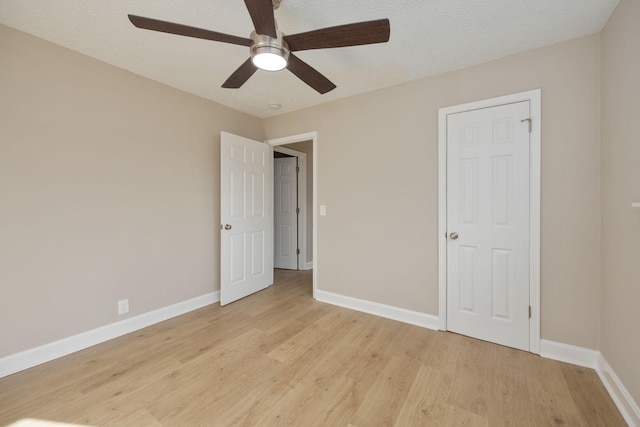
x=488, y=224
x=246, y=206
x=286, y=213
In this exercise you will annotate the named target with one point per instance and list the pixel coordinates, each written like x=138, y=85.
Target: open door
x=246, y=215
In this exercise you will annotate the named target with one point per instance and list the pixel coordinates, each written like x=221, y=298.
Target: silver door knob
x=227, y=226
x=453, y=236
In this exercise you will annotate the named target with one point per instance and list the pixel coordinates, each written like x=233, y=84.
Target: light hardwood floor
x=280, y=358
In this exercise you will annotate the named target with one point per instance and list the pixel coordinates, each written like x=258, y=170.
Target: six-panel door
x=488, y=209
x=246, y=212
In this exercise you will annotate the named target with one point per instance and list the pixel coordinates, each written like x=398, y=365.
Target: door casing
x=534, y=97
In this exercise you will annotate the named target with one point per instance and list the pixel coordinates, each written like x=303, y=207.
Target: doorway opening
x=293, y=206
x=307, y=144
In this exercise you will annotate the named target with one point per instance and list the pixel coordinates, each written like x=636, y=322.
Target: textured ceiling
x=427, y=37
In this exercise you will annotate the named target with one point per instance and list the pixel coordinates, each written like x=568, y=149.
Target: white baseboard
x=618, y=392
x=382, y=310
x=307, y=266
x=593, y=359
x=569, y=353
x=44, y=353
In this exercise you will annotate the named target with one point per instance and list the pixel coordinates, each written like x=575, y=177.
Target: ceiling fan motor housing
x=262, y=44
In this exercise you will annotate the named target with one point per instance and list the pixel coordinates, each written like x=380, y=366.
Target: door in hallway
x=286, y=213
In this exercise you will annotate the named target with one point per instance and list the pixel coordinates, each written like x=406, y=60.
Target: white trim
x=569, y=353
x=313, y=136
x=302, y=195
x=534, y=97
x=595, y=360
x=44, y=353
x=400, y=314
x=308, y=266
x=442, y=220
x=535, y=184
x=618, y=392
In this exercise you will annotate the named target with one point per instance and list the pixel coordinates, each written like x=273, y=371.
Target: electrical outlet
x=123, y=306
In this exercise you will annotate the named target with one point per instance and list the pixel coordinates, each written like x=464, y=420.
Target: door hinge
x=297, y=251
x=529, y=312
x=528, y=122
x=298, y=169
x=297, y=210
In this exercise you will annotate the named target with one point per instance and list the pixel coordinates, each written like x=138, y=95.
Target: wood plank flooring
x=280, y=358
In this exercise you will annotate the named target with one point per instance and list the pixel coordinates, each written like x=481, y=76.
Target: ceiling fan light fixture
x=269, y=59
x=268, y=53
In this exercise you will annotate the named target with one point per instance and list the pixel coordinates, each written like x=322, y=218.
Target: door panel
x=246, y=239
x=468, y=261
x=488, y=208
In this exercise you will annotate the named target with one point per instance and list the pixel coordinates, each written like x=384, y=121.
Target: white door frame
x=302, y=195
x=534, y=97
x=309, y=136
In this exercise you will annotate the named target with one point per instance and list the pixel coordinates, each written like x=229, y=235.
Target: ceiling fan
x=271, y=49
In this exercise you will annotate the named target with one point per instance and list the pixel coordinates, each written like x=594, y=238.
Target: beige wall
x=377, y=175
x=307, y=148
x=620, y=187
x=109, y=189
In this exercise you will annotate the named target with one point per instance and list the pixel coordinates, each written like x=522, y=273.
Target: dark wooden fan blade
x=261, y=12
x=309, y=75
x=241, y=75
x=341, y=36
x=185, y=30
